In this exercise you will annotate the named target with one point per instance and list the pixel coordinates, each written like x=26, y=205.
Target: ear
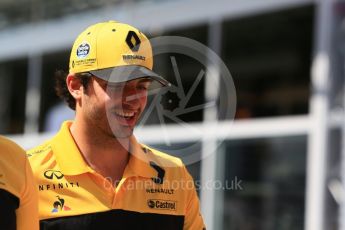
x=74, y=86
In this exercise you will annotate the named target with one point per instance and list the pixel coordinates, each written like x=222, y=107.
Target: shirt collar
x=71, y=161
x=67, y=152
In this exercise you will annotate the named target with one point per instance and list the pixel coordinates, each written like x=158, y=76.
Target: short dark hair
x=61, y=86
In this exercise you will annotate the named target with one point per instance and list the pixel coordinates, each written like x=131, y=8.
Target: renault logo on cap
x=133, y=41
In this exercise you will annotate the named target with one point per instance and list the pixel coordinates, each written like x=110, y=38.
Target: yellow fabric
x=85, y=191
x=16, y=178
x=104, y=45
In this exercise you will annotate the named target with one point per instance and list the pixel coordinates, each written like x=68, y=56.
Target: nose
x=131, y=96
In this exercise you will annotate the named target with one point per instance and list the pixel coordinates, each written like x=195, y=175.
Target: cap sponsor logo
x=133, y=41
x=85, y=62
x=128, y=57
x=83, y=50
x=161, y=204
x=133, y=59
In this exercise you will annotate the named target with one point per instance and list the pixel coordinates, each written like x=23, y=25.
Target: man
x=94, y=174
x=18, y=194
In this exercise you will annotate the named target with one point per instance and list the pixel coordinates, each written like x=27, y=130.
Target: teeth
x=124, y=114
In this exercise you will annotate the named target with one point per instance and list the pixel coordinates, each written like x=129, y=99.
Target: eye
x=143, y=86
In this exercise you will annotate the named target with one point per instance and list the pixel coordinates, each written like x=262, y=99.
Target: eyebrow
x=143, y=80
x=146, y=80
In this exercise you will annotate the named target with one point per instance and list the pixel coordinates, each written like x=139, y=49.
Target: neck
x=106, y=155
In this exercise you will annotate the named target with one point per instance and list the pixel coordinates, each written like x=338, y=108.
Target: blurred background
x=286, y=57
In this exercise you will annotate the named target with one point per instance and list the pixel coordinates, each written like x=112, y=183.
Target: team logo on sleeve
x=59, y=205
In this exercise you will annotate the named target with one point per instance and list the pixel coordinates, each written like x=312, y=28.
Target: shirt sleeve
x=17, y=180
x=193, y=218
x=27, y=213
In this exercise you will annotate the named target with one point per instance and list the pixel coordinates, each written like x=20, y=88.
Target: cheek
x=113, y=101
x=143, y=100
x=92, y=107
x=94, y=103
x=104, y=99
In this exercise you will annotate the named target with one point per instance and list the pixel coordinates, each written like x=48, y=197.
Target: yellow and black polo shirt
x=156, y=191
x=18, y=194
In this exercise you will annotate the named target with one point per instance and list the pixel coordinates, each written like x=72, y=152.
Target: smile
x=127, y=115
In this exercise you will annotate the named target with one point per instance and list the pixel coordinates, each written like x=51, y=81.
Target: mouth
x=126, y=118
x=126, y=115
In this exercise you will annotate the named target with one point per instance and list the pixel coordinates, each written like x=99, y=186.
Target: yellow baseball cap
x=115, y=52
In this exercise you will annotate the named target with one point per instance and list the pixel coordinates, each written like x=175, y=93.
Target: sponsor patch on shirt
x=162, y=204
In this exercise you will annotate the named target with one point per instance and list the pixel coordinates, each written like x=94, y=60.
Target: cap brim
x=127, y=73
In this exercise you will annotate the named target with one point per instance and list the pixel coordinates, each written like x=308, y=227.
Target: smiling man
x=94, y=174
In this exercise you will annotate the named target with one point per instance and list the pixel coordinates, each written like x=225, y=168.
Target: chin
x=122, y=133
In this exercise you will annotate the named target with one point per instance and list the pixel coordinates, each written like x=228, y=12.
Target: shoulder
x=39, y=150
x=12, y=167
x=39, y=155
x=11, y=152
x=9, y=147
